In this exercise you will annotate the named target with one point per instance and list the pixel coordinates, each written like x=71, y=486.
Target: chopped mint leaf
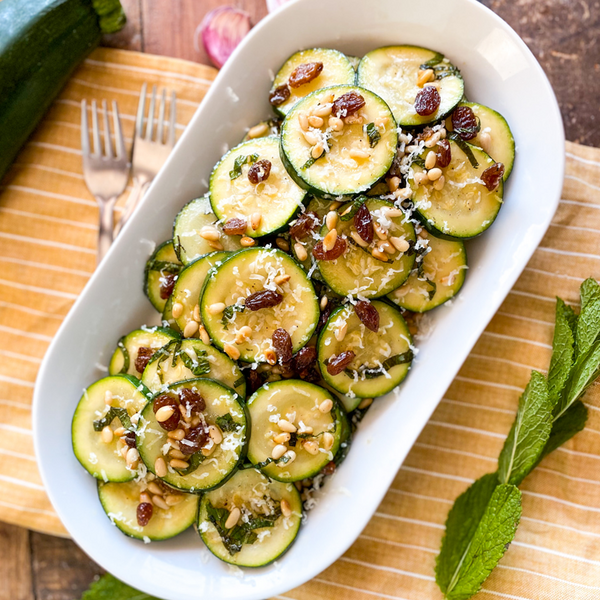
x=529, y=433
x=198, y=367
x=226, y=423
x=372, y=373
x=239, y=162
x=354, y=206
x=110, y=588
x=229, y=312
x=588, y=324
x=373, y=134
x=464, y=147
x=563, y=350
x=480, y=526
x=113, y=413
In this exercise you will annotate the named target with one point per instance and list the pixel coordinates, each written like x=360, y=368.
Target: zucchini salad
x=289, y=295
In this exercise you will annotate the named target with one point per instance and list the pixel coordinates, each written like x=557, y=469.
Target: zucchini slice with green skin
x=337, y=70
x=249, y=272
x=318, y=431
x=168, y=320
x=189, y=286
x=464, y=207
x=356, y=156
x=189, y=244
x=263, y=533
x=128, y=348
x=161, y=268
x=501, y=145
x=270, y=127
x=234, y=196
x=382, y=358
x=120, y=502
x=100, y=459
x=186, y=359
x=357, y=271
x=207, y=472
x=392, y=73
x=439, y=276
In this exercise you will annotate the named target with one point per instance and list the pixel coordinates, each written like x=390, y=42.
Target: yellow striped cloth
x=47, y=252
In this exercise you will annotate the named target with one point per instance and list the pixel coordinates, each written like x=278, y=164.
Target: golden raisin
x=305, y=73
x=279, y=95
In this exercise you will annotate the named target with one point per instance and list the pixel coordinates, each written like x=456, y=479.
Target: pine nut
x=258, y=131
x=356, y=153
x=326, y=406
x=177, y=454
x=315, y=121
x=317, y=151
x=159, y=501
x=335, y=124
x=204, y=335
x=291, y=456
x=286, y=426
x=300, y=252
x=176, y=434
x=354, y=235
x=173, y=499
x=286, y=509
x=303, y=121
x=424, y=76
x=271, y=356
x=439, y=184
x=154, y=488
x=323, y=111
x=311, y=447
x=190, y=329
x=403, y=193
x=245, y=333
x=216, y=309
x=247, y=242
x=283, y=244
x=215, y=245
x=177, y=310
x=206, y=451
x=323, y=303
x=328, y=440
x=420, y=178
x=379, y=231
x=434, y=174
x=443, y=134
x=108, y=397
x=231, y=351
x=335, y=205
x=379, y=255
x=160, y=467
x=172, y=442
x=144, y=497
x=282, y=438
x=393, y=183
x=196, y=313
x=281, y=279
x=340, y=332
x=365, y=403
x=210, y=233
x=132, y=457
x=433, y=140
x=255, y=220
x=485, y=141
x=347, y=210
x=164, y=413
x=430, y=160
x=310, y=137
x=215, y=434
x=400, y=244
x=390, y=213
x=387, y=247
x=123, y=451
x=278, y=451
x=331, y=219
x=179, y=464
x=329, y=240
x=107, y=435
x=233, y=518
x=195, y=421
x=120, y=431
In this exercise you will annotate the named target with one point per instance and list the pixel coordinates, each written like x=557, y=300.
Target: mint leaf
x=529, y=432
x=110, y=588
x=226, y=423
x=480, y=526
x=563, y=350
x=588, y=325
x=564, y=428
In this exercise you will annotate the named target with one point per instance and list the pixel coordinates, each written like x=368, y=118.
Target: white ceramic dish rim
x=274, y=580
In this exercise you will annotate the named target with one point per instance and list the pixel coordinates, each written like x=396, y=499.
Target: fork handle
x=139, y=188
x=105, y=230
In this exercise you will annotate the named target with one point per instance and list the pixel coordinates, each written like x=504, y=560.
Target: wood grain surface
x=563, y=34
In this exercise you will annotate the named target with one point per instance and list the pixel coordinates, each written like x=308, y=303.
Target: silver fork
x=149, y=152
x=105, y=174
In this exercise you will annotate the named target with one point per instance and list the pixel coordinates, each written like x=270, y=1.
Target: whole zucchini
x=41, y=43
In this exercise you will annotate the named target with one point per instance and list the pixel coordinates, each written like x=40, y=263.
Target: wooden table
x=563, y=34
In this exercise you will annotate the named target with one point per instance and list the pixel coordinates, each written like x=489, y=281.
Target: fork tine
x=139, y=122
x=150, y=125
x=161, y=116
x=96, y=130
x=107, y=141
x=85, y=134
x=119, y=139
x=172, y=120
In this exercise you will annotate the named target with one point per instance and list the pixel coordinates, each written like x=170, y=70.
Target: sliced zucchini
x=355, y=157
x=274, y=195
x=501, y=144
x=263, y=129
x=358, y=271
x=381, y=359
x=189, y=244
x=120, y=502
x=309, y=409
x=215, y=463
x=134, y=349
x=337, y=70
x=392, y=73
x=160, y=273
x=103, y=459
x=185, y=359
x=168, y=320
x=189, y=286
x=438, y=276
x=253, y=271
x=270, y=517
x=464, y=207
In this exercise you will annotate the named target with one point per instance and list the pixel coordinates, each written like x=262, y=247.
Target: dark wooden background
x=563, y=34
